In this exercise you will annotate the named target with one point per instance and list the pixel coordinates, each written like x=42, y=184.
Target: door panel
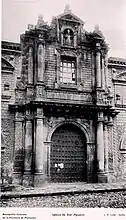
x=68, y=155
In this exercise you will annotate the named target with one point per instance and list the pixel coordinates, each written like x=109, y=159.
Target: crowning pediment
x=68, y=15
x=6, y=65
x=121, y=76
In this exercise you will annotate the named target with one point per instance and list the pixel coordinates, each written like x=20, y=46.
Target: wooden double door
x=68, y=155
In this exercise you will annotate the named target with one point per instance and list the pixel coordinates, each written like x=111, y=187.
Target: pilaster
x=19, y=148
x=103, y=73
x=100, y=149
x=39, y=176
x=30, y=65
x=106, y=70
x=41, y=62
x=27, y=176
x=91, y=163
x=98, y=67
x=106, y=143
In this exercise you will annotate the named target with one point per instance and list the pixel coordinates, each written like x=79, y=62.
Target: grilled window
x=68, y=71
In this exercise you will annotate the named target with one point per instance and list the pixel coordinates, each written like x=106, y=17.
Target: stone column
x=91, y=163
x=47, y=160
x=62, y=39
x=30, y=65
x=110, y=149
x=41, y=63
x=27, y=177
x=75, y=39
x=39, y=149
x=100, y=148
x=103, y=74
x=98, y=69
x=78, y=68
x=93, y=71
x=106, y=70
x=106, y=144
x=57, y=69
x=18, y=149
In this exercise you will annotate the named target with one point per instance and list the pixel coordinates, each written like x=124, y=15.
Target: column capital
x=39, y=114
x=110, y=121
x=105, y=119
x=98, y=47
x=98, y=68
x=38, y=117
x=100, y=117
x=18, y=120
x=28, y=116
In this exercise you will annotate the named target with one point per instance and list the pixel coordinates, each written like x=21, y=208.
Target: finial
x=97, y=31
x=67, y=8
x=30, y=26
x=96, y=27
x=40, y=21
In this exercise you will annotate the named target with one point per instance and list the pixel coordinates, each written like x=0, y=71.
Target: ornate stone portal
x=64, y=108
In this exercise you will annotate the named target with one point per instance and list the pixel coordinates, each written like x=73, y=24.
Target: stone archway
x=68, y=154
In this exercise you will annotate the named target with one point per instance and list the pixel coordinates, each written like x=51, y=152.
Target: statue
x=40, y=21
x=67, y=9
x=68, y=37
x=97, y=31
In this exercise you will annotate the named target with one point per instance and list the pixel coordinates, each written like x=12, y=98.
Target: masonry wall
x=85, y=67
x=8, y=97
x=86, y=70
x=50, y=65
x=117, y=158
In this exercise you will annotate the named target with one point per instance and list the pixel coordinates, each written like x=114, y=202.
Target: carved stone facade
x=65, y=108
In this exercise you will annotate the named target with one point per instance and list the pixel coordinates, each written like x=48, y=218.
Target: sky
x=110, y=15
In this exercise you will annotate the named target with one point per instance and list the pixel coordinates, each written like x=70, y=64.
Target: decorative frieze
x=72, y=96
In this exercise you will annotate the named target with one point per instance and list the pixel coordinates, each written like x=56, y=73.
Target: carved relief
x=19, y=96
x=121, y=76
x=30, y=65
x=20, y=84
x=69, y=96
x=85, y=122
x=40, y=62
x=40, y=92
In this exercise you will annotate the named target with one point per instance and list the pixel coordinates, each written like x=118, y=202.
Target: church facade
x=63, y=106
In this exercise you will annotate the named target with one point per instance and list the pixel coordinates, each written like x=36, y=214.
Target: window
x=6, y=86
x=117, y=97
x=68, y=70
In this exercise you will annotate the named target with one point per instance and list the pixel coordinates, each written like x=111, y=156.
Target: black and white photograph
x=63, y=105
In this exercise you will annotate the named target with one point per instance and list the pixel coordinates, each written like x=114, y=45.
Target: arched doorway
x=68, y=155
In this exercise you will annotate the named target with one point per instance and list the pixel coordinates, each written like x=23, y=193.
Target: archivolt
x=79, y=125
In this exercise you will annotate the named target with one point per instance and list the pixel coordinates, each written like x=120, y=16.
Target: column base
x=102, y=177
x=92, y=178
x=17, y=178
x=39, y=179
x=27, y=179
